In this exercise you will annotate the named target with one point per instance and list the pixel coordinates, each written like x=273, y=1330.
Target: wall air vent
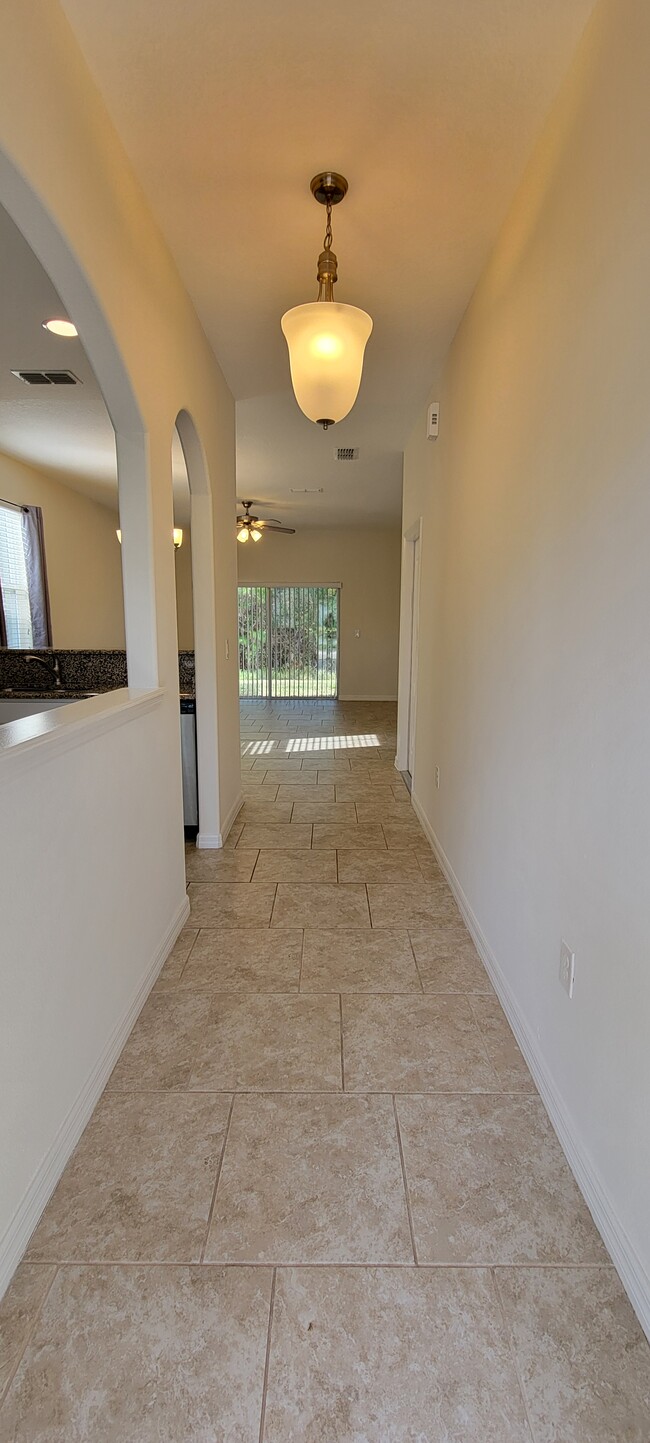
x=346, y=453
x=47, y=378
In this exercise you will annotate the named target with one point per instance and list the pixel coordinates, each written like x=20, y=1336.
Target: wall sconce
x=177, y=537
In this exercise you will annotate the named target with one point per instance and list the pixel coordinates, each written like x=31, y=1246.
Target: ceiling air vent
x=47, y=378
x=346, y=453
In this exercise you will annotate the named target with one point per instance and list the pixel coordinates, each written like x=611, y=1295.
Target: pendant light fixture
x=326, y=340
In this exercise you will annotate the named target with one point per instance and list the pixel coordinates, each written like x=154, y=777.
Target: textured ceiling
x=430, y=108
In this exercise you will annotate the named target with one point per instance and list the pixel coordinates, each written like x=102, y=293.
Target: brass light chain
x=327, y=243
x=327, y=262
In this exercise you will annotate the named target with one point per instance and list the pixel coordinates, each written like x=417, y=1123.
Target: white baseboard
x=209, y=841
x=28, y=1212
x=368, y=698
x=627, y=1262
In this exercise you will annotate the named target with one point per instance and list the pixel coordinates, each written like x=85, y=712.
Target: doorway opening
x=409, y=627
x=288, y=640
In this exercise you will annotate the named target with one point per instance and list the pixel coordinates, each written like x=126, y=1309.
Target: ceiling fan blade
x=288, y=530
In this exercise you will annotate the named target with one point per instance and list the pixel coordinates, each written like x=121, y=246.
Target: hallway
x=320, y=1199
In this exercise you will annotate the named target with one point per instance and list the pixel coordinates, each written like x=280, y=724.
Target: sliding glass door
x=288, y=641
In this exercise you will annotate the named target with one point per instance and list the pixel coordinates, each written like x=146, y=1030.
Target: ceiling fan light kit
x=326, y=340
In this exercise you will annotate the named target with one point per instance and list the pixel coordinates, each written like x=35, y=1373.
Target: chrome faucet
x=51, y=664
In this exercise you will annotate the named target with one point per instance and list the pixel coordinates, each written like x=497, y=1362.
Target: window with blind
x=13, y=579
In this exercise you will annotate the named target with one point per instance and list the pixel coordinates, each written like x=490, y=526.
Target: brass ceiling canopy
x=328, y=189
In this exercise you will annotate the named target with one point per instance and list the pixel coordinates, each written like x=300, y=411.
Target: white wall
x=91, y=843
x=365, y=561
x=534, y=691
x=82, y=554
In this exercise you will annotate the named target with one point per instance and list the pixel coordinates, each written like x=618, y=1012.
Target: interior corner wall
x=82, y=556
x=365, y=562
x=534, y=654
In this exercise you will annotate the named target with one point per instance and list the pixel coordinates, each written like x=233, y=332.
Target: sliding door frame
x=268, y=670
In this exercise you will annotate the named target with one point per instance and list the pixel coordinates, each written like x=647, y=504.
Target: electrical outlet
x=438, y=777
x=567, y=968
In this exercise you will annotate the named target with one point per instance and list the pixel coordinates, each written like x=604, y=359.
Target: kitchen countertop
x=63, y=693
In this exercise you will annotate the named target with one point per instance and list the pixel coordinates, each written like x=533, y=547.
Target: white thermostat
x=433, y=415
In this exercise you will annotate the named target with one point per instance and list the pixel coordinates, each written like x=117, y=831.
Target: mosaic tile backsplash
x=78, y=670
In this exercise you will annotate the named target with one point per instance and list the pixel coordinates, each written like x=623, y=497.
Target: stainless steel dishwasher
x=188, y=762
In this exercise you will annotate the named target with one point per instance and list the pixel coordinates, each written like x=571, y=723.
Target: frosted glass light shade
x=326, y=347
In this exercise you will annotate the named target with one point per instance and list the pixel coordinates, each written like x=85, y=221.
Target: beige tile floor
x=320, y=1199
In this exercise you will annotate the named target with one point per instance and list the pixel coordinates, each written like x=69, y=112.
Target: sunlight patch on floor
x=328, y=744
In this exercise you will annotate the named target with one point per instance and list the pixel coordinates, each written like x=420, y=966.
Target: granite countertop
x=63, y=693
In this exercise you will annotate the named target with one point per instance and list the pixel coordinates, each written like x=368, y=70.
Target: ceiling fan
x=248, y=525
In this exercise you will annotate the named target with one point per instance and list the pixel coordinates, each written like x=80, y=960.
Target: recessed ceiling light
x=59, y=327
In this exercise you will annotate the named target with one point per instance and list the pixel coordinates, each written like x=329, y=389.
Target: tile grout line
x=270, y=921
x=311, y=1092
x=182, y=974
x=415, y=963
x=424, y=876
x=405, y=1182
x=341, y=1036
x=481, y=1038
x=32, y=1330
x=512, y=1351
x=267, y=1358
x=430, y=1267
x=302, y=958
x=216, y=1181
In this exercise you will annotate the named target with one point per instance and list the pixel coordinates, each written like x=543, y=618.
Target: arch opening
x=114, y=396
